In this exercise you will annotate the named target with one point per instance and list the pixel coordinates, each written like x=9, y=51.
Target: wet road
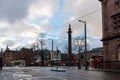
x=40, y=73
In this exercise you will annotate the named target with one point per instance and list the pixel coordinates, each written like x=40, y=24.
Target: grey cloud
x=18, y=35
x=8, y=42
x=81, y=8
x=12, y=10
x=45, y=25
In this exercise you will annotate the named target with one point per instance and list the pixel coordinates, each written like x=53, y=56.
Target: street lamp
x=85, y=37
x=84, y=33
x=52, y=49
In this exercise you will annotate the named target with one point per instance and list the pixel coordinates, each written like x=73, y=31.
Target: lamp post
x=52, y=49
x=85, y=34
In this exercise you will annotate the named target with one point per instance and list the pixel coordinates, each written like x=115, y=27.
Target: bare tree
x=34, y=46
x=41, y=42
x=78, y=45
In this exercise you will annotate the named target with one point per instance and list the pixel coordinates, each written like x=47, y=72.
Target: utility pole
x=69, y=44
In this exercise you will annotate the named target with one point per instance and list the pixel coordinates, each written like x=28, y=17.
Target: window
x=117, y=3
x=118, y=53
x=116, y=23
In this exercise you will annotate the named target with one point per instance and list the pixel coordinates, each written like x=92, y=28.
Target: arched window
x=119, y=53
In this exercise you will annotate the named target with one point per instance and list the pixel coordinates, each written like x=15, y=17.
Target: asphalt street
x=45, y=73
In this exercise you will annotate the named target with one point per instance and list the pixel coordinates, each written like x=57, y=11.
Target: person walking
x=87, y=65
x=1, y=63
x=79, y=65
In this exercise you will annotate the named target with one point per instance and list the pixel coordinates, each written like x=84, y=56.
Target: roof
x=100, y=49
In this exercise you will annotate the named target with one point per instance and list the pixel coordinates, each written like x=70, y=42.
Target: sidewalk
x=104, y=70
x=96, y=69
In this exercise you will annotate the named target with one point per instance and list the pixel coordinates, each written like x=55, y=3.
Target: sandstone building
x=111, y=31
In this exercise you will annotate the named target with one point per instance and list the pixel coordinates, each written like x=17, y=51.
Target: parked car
x=1, y=63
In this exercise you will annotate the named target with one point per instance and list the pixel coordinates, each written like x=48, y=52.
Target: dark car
x=1, y=63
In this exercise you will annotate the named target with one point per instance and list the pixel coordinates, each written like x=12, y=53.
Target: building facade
x=111, y=30
x=98, y=52
x=10, y=56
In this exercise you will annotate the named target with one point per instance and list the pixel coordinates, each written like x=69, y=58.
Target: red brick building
x=111, y=30
x=7, y=57
x=27, y=55
x=24, y=54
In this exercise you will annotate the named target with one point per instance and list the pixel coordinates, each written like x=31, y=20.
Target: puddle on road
x=18, y=76
x=47, y=78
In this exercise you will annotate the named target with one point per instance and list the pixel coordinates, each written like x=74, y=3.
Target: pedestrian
x=95, y=63
x=1, y=63
x=87, y=65
x=79, y=65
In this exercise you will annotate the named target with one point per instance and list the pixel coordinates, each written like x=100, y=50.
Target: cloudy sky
x=21, y=21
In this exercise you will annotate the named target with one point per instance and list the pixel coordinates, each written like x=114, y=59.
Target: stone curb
x=105, y=70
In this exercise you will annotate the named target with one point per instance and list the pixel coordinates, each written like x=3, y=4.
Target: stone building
x=98, y=52
x=111, y=31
